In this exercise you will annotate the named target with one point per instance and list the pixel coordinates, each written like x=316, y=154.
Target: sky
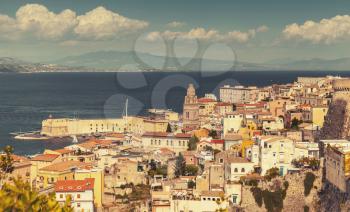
x=257, y=31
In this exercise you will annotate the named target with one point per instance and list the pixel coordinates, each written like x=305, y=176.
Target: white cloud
x=262, y=28
x=8, y=27
x=208, y=35
x=37, y=20
x=43, y=23
x=101, y=23
x=175, y=24
x=325, y=31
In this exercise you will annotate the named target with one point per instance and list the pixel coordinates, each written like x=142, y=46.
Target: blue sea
x=27, y=99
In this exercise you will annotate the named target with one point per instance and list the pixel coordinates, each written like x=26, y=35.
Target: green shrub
x=308, y=183
x=257, y=193
x=271, y=173
x=306, y=208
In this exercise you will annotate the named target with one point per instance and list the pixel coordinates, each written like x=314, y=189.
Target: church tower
x=190, y=115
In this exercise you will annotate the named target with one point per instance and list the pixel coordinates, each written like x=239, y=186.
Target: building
x=81, y=193
x=233, y=122
x=237, y=167
x=208, y=201
x=318, y=115
x=49, y=175
x=272, y=124
x=222, y=108
x=21, y=169
x=190, y=115
x=337, y=164
x=156, y=140
x=68, y=127
x=99, y=183
x=278, y=152
x=236, y=94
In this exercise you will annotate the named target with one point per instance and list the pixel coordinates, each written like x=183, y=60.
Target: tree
x=271, y=173
x=295, y=124
x=213, y=133
x=191, y=184
x=192, y=144
x=191, y=170
x=18, y=196
x=168, y=129
x=6, y=162
x=180, y=165
x=308, y=182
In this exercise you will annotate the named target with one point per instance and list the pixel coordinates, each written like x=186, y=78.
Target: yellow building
x=98, y=175
x=41, y=161
x=318, y=115
x=48, y=175
x=246, y=144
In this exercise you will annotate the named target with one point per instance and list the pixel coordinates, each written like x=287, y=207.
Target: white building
x=209, y=201
x=237, y=167
x=276, y=151
x=272, y=124
x=80, y=191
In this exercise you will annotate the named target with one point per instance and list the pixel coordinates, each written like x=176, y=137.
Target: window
x=236, y=170
x=221, y=160
x=78, y=196
x=242, y=170
x=78, y=205
x=61, y=196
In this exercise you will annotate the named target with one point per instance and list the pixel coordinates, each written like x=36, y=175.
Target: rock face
x=332, y=200
x=337, y=122
x=295, y=199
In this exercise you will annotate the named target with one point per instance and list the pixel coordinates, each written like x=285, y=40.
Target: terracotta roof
x=217, y=141
x=183, y=135
x=223, y=104
x=63, y=151
x=65, y=166
x=45, y=157
x=17, y=158
x=155, y=134
x=74, y=185
x=166, y=151
x=205, y=100
x=189, y=153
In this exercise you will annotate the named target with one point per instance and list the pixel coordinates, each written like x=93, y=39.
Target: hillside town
x=247, y=149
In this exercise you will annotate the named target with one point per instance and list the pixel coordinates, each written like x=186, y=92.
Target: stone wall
x=295, y=199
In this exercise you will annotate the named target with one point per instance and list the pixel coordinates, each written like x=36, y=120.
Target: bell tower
x=190, y=115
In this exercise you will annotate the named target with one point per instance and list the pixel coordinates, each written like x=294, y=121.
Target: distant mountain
x=319, y=64
x=13, y=65
x=117, y=60
x=130, y=61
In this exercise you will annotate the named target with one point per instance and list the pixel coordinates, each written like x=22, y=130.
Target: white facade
x=235, y=170
x=81, y=201
x=278, y=152
x=253, y=154
x=204, y=204
x=273, y=124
